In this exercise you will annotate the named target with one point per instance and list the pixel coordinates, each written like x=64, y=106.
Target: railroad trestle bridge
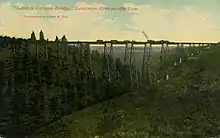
x=148, y=71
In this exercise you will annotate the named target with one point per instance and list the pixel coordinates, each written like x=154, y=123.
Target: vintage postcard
x=109, y=68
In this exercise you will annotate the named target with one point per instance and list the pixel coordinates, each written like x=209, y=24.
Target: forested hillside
x=41, y=82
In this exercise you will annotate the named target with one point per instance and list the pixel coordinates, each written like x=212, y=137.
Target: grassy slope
x=171, y=110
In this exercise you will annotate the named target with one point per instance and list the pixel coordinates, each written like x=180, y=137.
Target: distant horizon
x=45, y=38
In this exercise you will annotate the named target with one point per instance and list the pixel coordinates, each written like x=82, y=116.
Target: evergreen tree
x=64, y=39
x=41, y=36
x=64, y=46
x=26, y=63
x=33, y=37
x=74, y=97
x=56, y=39
x=12, y=114
x=57, y=50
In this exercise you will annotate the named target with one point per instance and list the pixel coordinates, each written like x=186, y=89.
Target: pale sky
x=173, y=20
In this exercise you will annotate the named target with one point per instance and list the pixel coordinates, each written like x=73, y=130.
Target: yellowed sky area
x=183, y=25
